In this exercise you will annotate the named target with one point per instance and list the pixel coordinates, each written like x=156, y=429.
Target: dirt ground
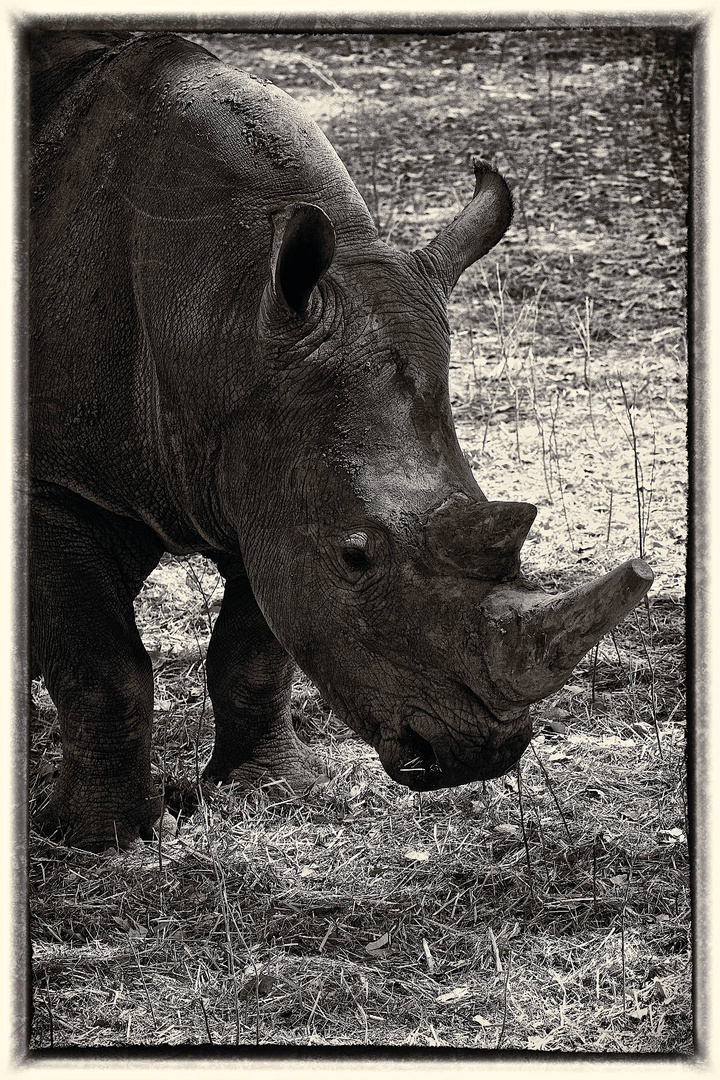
x=545, y=911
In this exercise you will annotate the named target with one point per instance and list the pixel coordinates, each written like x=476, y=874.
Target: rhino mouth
x=422, y=770
x=422, y=763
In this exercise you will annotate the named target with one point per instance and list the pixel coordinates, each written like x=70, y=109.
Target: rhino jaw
x=433, y=748
x=530, y=642
x=428, y=770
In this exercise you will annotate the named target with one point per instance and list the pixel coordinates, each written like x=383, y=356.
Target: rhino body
x=225, y=359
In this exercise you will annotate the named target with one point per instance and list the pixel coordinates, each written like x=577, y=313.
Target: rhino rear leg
x=249, y=677
x=86, y=567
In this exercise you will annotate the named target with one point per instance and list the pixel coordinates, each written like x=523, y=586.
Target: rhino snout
x=427, y=755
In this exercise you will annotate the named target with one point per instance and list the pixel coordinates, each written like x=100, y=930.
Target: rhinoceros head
x=374, y=555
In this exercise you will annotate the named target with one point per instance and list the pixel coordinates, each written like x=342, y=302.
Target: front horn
x=531, y=642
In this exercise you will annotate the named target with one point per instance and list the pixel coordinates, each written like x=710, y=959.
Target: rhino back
x=156, y=171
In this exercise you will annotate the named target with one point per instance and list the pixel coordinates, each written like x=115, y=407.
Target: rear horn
x=475, y=231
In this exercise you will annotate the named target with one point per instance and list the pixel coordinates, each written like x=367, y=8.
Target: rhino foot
x=289, y=761
x=81, y=820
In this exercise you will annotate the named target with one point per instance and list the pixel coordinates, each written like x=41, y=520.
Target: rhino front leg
x=249, y=677
x=86, y=567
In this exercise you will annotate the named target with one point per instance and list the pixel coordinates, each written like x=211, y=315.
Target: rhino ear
x=475, y=231
x=303, y=248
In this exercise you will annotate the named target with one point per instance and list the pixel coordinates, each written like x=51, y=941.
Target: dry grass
x=367, y=914
x=547, y=910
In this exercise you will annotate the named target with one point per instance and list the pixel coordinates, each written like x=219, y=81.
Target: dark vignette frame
x=696, y=27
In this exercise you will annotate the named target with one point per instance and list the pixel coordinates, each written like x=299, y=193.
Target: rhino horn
x=532, y=642
x=475, y=231
x=481, y=537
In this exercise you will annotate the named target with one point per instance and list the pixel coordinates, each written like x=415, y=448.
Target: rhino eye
x=355, y=553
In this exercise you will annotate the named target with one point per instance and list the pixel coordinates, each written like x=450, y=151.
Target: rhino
x=226, y=359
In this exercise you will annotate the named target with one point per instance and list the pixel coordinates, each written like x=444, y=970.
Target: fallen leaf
x=671, y=836
x=599, y=708
x=557, y=726
x=512, y=832
x=417, y=856
x=453, y=995
x=481, y=1020
x=166, y=826
x=551, y=712
x=378, y=945
x=256, y=985
x=638, y=1014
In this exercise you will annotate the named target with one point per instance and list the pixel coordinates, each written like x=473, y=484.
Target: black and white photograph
x=358, y=356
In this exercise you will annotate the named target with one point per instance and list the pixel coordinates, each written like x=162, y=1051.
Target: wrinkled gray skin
x=225, y=359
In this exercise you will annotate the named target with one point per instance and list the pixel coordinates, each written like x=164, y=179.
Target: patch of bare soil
x=550, y=909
